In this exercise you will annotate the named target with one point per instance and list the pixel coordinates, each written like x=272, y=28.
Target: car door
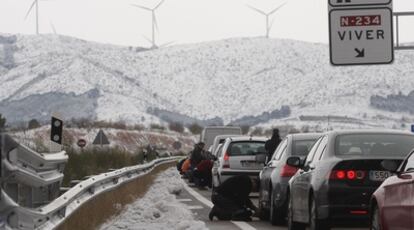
x=310, y=173
x=268, y=169
x=398, y=210
x=216, y=166
x=300, y=185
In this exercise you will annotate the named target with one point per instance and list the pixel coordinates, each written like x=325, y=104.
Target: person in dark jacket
x=231, y=200
x=272, y=143
x=202, y=173
x=196, y=155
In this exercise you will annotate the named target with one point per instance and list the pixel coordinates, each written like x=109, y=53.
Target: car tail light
x=226, y=163
x=347, y=175
x=359, y=212
x=288, y=171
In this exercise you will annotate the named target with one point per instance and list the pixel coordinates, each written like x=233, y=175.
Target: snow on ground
x=158, y=209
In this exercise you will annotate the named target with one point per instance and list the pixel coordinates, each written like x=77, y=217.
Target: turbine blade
x=154, y=18
x=30, y=9
x=278, y=8
x=166, y=44
x=142, y=7
x=53, y=27
x=271, y=24
x=159, y=4
x=146, y=38
x=257, y=10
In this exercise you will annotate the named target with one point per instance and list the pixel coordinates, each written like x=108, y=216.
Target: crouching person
x=231, y=200
x=202, y=174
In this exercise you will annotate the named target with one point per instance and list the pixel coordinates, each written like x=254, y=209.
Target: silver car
x=237, y=156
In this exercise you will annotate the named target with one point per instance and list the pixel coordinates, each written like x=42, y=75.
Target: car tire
x=276, y=215
x=291, y=224
x=314, y=222
x=375, y=219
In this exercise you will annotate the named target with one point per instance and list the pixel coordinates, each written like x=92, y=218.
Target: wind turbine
x=154, y=20
x=36, y=5
x=268, y=27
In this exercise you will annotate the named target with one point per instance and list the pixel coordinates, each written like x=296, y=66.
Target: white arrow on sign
x=337, y=3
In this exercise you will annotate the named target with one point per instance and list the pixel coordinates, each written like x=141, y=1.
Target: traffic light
x=57, y=129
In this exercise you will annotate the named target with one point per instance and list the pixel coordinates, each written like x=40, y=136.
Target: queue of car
x=327, y=180
x=275, y=176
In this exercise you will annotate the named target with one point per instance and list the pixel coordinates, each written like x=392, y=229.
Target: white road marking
x=199, y=197
x=185, y=200
x=202, y=199
x=243, y=225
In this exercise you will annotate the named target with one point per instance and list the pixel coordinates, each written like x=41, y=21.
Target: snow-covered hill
x=229, y=79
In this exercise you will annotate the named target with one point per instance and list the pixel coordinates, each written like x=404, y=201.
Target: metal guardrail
x=397, y=16
x=52, y=215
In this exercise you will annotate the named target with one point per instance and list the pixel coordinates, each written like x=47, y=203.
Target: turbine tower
x=268, y=26
x=154, y=20
x=36, y=5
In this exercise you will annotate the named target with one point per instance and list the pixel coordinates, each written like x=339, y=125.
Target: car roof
x=369, y=131
x=226, y=136
x=304, y=136
x=247, y=138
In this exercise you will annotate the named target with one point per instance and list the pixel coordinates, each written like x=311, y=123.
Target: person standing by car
x=196, y=155
x=272, y=143
x=231, y=200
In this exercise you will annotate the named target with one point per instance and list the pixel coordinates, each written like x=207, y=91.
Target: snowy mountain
x=225, y=80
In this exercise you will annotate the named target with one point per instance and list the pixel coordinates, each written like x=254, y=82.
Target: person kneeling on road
x=231, y=200
x=202, y=174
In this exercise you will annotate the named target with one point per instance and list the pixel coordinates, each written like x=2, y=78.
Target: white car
x=219, y=140
x=237, y=156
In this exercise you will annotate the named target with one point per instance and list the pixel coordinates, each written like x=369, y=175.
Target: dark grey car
x=275, y=176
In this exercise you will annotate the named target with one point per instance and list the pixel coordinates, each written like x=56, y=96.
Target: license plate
x=379, y=175
x=248, y=163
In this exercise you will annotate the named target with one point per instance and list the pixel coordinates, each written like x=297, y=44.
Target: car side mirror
x=294, y=162
x=261, y=158
x=390, y=165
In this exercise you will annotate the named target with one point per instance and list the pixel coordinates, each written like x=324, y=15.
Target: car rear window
x=374, y=144
x=302, y=147
x=246, y=148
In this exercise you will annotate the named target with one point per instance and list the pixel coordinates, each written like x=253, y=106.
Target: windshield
x=374, y=144
x=246, y=148
x=302, y=147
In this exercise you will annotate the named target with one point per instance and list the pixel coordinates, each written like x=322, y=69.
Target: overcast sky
x=180, y=21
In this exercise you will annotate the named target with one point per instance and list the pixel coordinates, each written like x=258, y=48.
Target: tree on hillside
x=245, y=129
x=2, y=122
x=176, y=126
x=195, y=128
x=33, y=124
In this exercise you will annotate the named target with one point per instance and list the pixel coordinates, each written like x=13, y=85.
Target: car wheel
x=277, y=216
x=315, y=223
x=291, y=224
x=375, y=219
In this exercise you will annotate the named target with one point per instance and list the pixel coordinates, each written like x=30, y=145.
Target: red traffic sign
x=177, y=145
x=81, y=143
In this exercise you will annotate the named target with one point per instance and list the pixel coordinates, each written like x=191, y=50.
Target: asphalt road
x=198, y=201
